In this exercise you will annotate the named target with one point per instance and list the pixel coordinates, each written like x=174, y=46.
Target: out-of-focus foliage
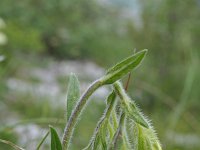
x=66, y=29
x=170, y=30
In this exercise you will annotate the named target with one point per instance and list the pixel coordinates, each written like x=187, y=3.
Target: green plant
x=124, y=129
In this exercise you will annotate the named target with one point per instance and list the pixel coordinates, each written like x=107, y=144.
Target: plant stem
x=128, y=82
x=114, y=119
x=125, y=137
x=113, y=145
x=106, y=115
x=130, y=106
x=77, y=111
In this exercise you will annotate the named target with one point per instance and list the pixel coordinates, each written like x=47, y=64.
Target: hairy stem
x=113, y=145
x=106, y=115
x=125, y=137
x=76, y=113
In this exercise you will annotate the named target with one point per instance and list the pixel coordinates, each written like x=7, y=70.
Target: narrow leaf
x=143, y=141
x=114, y=141
x=134, y=113
x=55, y=141
x=42, y=141
x=114, y=119
x=73, y=93
x=111, y=130
x=124, y=67
x=103, y=134
x=146, y=139
x=96, y=144
x=11, y=144
x=128, y=105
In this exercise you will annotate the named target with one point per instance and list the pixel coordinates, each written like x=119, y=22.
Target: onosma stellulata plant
x=124, y=129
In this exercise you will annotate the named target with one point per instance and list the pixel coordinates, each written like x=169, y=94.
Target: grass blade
x=42, y=141
x=11, y=144
x=130, y=108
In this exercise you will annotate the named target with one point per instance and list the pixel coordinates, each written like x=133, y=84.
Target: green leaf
x=103, y=134
x=134, y=113
x=111, y=98
x=143, y=141
x=128, y=105
x=111, y=130
x=97, y=141
x=146, y=139
x=119, y=70
x=114, y=120
x=73, y=93
x=99, y=137
x=55, y=141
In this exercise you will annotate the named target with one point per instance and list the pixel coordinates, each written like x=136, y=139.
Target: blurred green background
x=41, y=42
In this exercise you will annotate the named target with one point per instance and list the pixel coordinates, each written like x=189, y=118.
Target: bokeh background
x=42, y=41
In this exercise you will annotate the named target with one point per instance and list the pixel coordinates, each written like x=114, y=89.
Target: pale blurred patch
x=2, y=58
x=3, y=39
